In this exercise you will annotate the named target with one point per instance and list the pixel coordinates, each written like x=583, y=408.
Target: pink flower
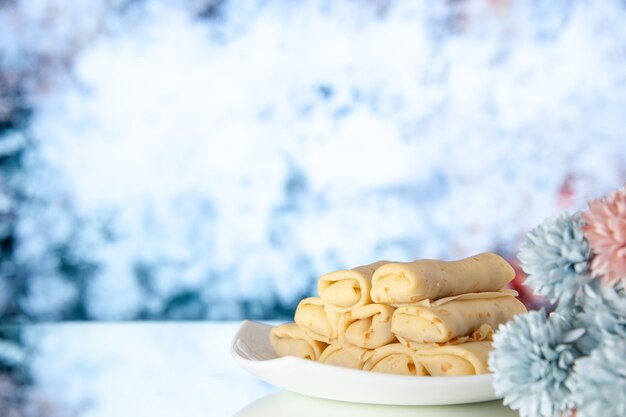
x=605, y=229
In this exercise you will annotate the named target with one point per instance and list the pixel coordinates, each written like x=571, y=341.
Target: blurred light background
x=208, y=159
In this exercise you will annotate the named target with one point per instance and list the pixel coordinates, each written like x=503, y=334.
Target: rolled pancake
x=290, y=340
x=318, y=320
x=446, y=319
x=409, y=282
x=342, y=355
x=347, y=289
x=394, y=358
x=454, y=360
x=369, y=326
x=484, y=333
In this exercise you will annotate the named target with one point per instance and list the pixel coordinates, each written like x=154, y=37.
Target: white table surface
x=172, y=369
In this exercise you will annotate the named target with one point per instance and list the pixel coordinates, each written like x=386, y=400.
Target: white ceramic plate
x=252, y=350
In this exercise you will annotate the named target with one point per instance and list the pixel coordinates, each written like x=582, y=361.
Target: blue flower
x=556, y=258
x=598, y=384
x=532, y=358
x=603, y=315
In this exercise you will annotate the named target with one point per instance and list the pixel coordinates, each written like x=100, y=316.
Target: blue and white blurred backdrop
x=208, y=159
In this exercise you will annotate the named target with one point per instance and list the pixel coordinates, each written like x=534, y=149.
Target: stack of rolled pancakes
x=426, y=317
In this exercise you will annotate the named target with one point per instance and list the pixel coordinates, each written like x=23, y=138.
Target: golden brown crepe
x=342, y=355
x=454, y=317
x=369, y=326
x=290, y=340
x=484, y=333
x=394, y=358
x=347, y=289
x=426, y=317
x=454, y=360
x=410, y=282
x=318, y=320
